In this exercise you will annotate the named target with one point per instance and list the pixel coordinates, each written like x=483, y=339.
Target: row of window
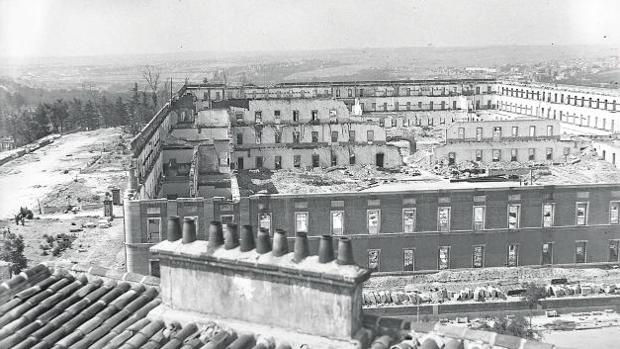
x=314, y=115
x=478, y=255
x=258, y=136
x=259, y=161
x=496, y=155
x=563, y=116
x=373, y=222
x=497, y=132
x=570, y=100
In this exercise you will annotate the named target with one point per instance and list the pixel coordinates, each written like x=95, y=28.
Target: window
x=566, y=151
x=419, y=105
x=337, y=92
x=515, y=131
x=352, y=159
x=154, y=268
x=614, y=207
x=295, y=136
x=374, y=221
x=259, y=136
x=301, y=222
x=408, y=105
x=478, y=154
x=227, y=218
x=239, y=138
x=374, y=257
x=443, y=258
x=278, y=162
x=278, y=136
x=351, y=136
x=373, y=106
x=276, y=116
x=259, y=161
x=153, y=228
x=514, y=211
x=315, y=136
x=315, y=160
x=334, y=160
x=513, y=154
x=478, y=256
x=334, y=136
x=531, y=154
x=370, y=135
x=315, y=115
x=479, y=133
x=582, y=213
x=350, y=93
x=394, y=122
x=461, y=133
x=453, y=104
x=361, y=92
x=297, y=161
x=295, y=115
x=549, y=130
x=479, y=216
x=547, y=253
x=451, y=158
x=337, y=222
x=443, y=105
x=512, y=255
x=548, y=214
x=408, y=259
x=614, y=245
x=240, y=163
x=549, y=153
x=408, y=220
x=497, y=155
x=430, y=106
x=258, y=116
x=443, y=219
x=497, y=132
x=580, y=251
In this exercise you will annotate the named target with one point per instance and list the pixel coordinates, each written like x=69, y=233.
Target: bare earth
x=76, y=166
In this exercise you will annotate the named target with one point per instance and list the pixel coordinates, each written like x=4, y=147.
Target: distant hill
x=119, y=72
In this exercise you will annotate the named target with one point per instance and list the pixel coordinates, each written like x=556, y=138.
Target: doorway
x=379, y=159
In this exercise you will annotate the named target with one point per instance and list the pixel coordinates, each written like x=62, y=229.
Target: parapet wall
x=263, y=285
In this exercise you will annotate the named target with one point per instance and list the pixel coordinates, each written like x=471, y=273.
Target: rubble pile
x=435, y=296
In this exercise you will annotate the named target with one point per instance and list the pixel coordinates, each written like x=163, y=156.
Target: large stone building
x=292, y=157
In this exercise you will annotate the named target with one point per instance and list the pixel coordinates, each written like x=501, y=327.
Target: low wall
x=475, y=309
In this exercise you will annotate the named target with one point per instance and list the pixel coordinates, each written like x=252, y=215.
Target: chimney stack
x=302, y=250
x=326, y=249
x=189, y=230
x=216, y=238
x=231, y=239
x=174, y=228
x=280, y=243
x=247, y=238
x=263, y=242
x=345, y=251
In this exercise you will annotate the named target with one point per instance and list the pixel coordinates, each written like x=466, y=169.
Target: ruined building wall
x=468, y=129
x=469, y=150
x=595, y=108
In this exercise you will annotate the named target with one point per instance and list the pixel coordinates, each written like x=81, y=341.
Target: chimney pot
x=189, y=230
x=247, y=238
x=302, y=249
x=345, y=251
x=263, y=242
x=326, y=249
x=216, y=237
x=174, y=228
x=280, y=243
x=231, y=239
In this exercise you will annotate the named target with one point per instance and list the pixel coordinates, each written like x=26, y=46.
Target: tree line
x=90, y=110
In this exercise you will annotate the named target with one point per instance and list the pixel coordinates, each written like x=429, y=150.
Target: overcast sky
x=33, y=28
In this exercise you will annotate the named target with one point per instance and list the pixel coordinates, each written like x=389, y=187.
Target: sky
x=57, y=28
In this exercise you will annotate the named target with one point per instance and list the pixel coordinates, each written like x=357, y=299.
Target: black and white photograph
x=309, y=174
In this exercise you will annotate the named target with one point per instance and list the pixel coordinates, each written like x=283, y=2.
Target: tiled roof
x=63, y=306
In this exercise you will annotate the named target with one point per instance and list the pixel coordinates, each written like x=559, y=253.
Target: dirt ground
x=95, y=159
x=96, y=246
x=77, y=169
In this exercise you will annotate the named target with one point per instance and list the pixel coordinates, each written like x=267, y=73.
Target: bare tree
x=151, y=76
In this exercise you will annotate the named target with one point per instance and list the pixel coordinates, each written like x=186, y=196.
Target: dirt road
x=25, y=181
